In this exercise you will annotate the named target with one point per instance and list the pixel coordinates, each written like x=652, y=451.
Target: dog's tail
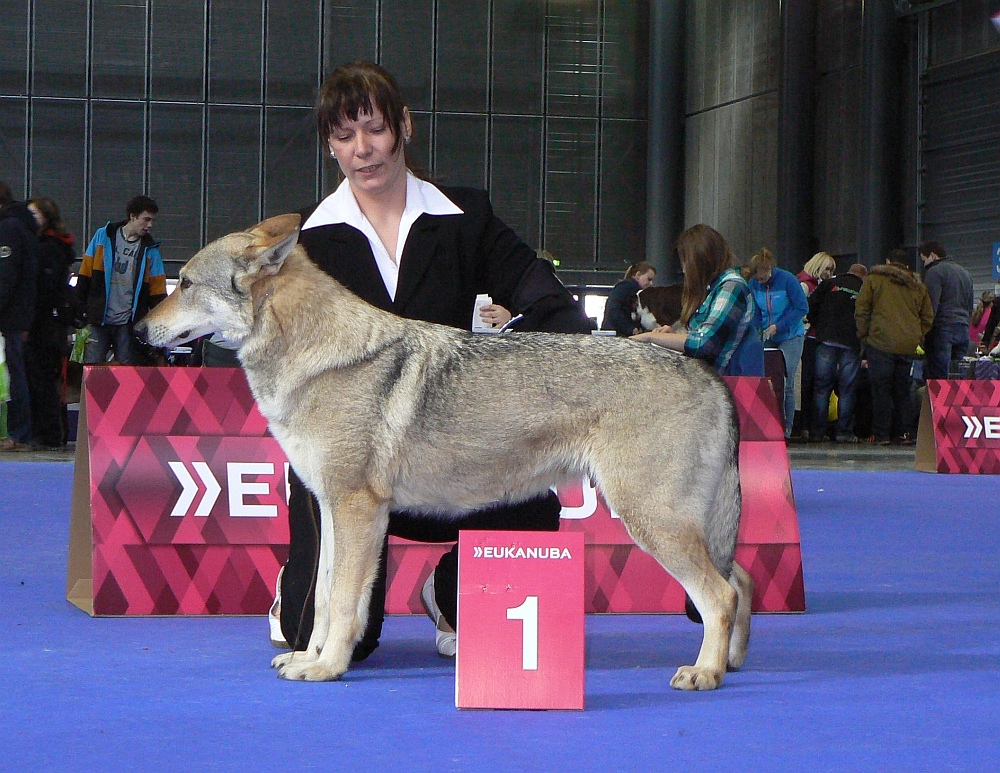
x=723, y=521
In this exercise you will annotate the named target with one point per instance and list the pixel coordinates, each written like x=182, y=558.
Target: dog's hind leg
x=686, y=559
x=673, y=540
x=740, y=639
x=358, y=525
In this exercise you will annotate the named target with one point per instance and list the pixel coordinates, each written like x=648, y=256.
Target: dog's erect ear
x=274, y=238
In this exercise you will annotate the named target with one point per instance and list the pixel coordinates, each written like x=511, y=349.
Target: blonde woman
x=818, y=268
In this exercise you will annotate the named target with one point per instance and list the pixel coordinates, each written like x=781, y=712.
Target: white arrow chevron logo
x=189, y=489
x=973, y=427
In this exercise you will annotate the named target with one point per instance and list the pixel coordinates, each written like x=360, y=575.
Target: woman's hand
x=662, y=336
x=494, y=315
x=770, y=330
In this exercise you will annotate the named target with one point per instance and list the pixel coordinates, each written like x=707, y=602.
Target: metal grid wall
x=206, y=105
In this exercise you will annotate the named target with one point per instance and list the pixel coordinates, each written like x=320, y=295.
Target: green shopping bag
x=79, y=341
x=4, y=373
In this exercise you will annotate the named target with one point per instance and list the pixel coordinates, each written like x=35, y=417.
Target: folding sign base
x=959, y=430
x=520, y=620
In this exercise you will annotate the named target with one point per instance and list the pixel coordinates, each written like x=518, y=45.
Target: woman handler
x=423, y=252
x=717, y=307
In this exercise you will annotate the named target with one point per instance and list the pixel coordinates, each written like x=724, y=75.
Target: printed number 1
x=527, y=613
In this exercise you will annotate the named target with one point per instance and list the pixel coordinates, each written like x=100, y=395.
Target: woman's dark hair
x=638, y=269
x=704, y=255
x=354, y=88
x=53, y=218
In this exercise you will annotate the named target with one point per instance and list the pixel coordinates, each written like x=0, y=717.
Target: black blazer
x=447, y=260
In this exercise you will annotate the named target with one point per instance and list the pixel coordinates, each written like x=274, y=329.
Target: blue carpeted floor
x=895, y=665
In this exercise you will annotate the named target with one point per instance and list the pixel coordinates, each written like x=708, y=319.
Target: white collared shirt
x=341, y=207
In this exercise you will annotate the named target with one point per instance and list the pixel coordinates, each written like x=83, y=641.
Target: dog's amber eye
x=185, y=283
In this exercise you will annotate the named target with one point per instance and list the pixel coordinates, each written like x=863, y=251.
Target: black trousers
x=298, y=583
x=43, y=365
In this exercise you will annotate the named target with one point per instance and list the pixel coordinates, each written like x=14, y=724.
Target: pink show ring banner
x=966, y=417
x=188, y=493
x=188, y=506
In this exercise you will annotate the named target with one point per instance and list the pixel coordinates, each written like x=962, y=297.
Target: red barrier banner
x=179, y=495
x=960, y=427
x=180, y=507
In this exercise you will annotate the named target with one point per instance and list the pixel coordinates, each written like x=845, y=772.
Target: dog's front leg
x=358, y=523
x=321, y=594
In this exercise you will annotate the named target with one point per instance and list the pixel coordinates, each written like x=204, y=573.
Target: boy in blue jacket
x=121, y=278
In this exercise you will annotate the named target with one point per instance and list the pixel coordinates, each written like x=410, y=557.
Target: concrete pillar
x=665, y=155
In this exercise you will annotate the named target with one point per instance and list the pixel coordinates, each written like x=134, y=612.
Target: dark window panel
x=235, y=48
x=60, y=56
x=58, y=149
x=292, y=52
x=350, y=29
x=13, y=139
x=289, y=160
x=118, y=61
x=569, y=191
x=573, y=48
x=177, y=50
x=518, y=56
x=116, y=159
x=175, y=172
x=408, y=48
x=623, y=194
x=418, y=152
x=461, y=150
x=14, y=51
x=515, y=175
x=626, y=59
x=463, y=42
x=232, y=195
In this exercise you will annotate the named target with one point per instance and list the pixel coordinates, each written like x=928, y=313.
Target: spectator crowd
x=854, y=345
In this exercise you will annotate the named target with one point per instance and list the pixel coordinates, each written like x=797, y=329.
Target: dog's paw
x=694, y=678
x=304, y=671
x=279, y=660
x=299, y=656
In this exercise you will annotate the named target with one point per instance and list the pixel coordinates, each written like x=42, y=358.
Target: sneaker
x=445, y=638
x=906, y=440
x=274, y=616
x=9, y=444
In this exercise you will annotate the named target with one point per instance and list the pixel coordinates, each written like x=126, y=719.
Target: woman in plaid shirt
x=717, y=308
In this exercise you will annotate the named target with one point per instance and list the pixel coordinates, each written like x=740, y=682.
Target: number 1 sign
x=520, y=620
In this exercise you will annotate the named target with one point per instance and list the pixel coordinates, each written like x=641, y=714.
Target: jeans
x=892, y=409
x=19, y=407
x=941, y=345
x=104, y=338
x=838, y=366
x=792, y=351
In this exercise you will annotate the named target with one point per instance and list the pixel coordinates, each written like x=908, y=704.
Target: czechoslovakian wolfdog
x=376, y=412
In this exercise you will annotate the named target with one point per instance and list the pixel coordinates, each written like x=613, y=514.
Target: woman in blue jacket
x=781, y=305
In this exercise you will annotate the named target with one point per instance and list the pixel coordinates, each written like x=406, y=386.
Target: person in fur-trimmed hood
x=892, y=313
